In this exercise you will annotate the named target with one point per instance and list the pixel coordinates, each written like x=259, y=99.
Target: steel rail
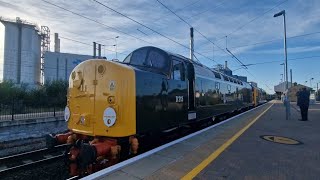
x=21, y=160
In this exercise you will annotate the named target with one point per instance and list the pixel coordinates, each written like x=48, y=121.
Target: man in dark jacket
x=303, y=97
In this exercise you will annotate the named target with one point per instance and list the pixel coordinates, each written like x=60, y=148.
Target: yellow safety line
x=195, y=171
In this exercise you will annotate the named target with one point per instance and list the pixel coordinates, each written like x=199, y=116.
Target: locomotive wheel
x=125, y=148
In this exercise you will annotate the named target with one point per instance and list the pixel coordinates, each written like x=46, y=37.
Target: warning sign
x=281, y=140
x=112, y=85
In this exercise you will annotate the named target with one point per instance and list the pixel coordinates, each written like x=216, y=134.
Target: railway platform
x=258, y=144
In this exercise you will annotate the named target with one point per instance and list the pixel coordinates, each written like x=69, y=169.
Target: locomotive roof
x=174, y=54
x=193, y=62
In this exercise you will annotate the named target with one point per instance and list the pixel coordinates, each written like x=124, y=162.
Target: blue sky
x=246, y=22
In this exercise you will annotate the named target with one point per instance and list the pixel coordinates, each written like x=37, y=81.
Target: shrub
x=51, y=94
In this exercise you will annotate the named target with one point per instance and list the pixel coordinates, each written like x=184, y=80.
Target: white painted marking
x=66, y=113
x=115, y=167
x=109, y=116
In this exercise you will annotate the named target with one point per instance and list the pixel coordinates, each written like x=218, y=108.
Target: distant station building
x=58, y=66
x=281, y=88
x=20, y=51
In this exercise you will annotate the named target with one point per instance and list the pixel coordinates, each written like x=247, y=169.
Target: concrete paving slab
x=120, y=175
x=176, y=151
x=147, y=166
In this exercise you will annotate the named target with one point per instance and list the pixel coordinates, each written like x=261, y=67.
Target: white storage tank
x=2, y=35
x=20, y=50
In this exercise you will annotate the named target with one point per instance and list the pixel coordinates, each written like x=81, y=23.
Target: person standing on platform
x=303, y=97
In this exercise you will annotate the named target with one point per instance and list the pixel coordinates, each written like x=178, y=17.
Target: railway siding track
x=30, y=158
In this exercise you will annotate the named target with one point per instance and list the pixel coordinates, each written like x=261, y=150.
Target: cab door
x=177, y=93
x=81, y=98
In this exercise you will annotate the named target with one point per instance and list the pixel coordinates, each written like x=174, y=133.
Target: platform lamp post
x=282, y=83
x=287, y=100
x=104, y=49
x=317, y=91
x=284, y=71
x=284, y=77
x=116, y=46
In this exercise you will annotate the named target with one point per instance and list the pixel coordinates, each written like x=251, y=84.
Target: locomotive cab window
x=138, y=57
x=156, y=60
x=149, y=58
x=217, y=75
x=229, y=87
x=178, y=70
x=226, y=78
x=217, y=86
x=127, y=59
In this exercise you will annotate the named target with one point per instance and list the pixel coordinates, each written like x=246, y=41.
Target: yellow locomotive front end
x=101, y=99
x=101, y=114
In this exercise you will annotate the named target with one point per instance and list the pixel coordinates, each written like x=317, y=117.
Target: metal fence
x=19, y=111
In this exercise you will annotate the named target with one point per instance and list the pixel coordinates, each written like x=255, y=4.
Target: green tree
x=57, y=92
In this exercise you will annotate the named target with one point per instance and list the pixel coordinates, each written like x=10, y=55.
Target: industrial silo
x=20, y=50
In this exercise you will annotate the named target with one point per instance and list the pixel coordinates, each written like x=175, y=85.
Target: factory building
x=58, y=66
x=25, y=55
x=20, y=51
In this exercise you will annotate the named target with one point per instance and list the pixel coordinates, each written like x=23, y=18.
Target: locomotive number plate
x=179, y=98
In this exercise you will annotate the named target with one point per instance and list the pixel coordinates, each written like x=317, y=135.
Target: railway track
x=27, y=159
